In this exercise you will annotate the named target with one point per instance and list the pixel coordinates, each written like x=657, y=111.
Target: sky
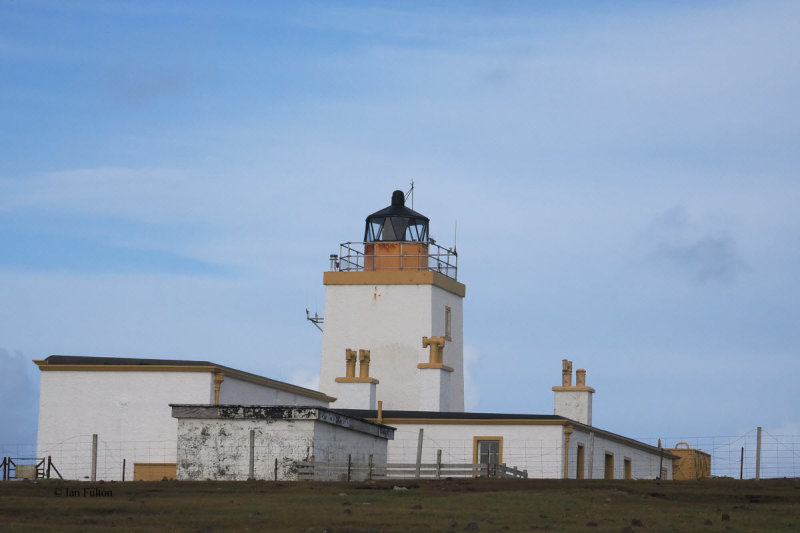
x=623, y=177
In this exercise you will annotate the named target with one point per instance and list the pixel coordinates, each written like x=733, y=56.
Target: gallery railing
x=395, y=255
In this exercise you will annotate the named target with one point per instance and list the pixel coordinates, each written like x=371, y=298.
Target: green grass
x=446, y=505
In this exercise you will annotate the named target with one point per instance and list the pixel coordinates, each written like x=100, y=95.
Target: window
x=448, y=323
x=487, y=450
x=628, y=469
x=579, y=474
x=609, y=466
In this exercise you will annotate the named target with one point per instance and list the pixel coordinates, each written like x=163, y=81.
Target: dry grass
x=446, y=505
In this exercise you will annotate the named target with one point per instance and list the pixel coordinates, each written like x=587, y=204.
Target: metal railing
x=362, y=256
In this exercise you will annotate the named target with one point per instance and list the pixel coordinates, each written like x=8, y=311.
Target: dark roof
x=398, y=209
x=368, y=413
x=86, y=360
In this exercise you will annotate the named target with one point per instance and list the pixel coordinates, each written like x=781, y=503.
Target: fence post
x=438, y=464
x=419, y=453
x=758, y=454
x=251, y=470
x=94, y=457
x=4, y=468
x=123, y=470
x=276, y=469
x=369, y=468
x=591, y=454
x=741, y=464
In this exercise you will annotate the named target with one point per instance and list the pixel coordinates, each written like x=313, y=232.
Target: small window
x=609, y=466
x=581, y=460
x=487, y=450
x=448, y=323
x=628, y=469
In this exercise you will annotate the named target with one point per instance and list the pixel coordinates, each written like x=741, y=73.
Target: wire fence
x=731, y=456
x=735, y=455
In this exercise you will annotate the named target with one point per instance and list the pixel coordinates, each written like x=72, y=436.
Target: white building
x=126, y=403
x=392, y=353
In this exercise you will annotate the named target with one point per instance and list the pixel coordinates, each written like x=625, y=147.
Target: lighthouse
x=394, y=318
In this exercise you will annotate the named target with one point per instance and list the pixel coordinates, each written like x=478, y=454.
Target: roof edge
x=128, y=364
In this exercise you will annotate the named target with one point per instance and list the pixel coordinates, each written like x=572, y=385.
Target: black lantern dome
x=397, y=223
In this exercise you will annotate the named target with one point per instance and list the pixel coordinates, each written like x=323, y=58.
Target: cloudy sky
x=624, y=176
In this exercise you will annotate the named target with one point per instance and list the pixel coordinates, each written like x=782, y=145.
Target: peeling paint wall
x=219, y=449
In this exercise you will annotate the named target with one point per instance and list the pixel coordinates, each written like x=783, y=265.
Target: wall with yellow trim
x=526, y=444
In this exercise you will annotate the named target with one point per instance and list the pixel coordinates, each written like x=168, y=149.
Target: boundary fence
x=81, y=457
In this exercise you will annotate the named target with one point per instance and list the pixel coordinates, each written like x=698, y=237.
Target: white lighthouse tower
x=394, y=306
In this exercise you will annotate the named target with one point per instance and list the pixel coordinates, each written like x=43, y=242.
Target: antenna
x=411, y=193
x=455, y=237
x=316, y=319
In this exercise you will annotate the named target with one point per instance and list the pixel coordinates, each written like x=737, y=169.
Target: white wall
x=335, y=444
x=536, y=448
x=453, y=350
x=128, y=410
x=390, y=321
x=575, y=405
x=644, y=464
x=356, y=395
x=238, y=392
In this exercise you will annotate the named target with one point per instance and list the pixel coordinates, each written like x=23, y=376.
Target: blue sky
x=173, y=177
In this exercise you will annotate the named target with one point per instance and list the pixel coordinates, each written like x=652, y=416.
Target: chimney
x=573, y=401
x=356, y=392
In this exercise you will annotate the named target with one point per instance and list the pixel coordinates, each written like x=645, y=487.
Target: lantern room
x=396, y=223
x=396, y=238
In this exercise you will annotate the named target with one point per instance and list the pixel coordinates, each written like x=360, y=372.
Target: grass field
x=446, y=505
